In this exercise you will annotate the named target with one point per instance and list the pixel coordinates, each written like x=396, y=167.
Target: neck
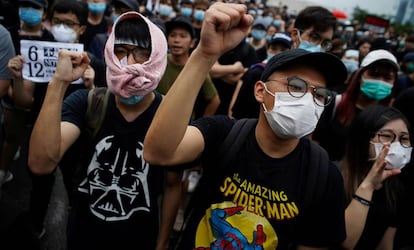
x=179, y=59
x=95, y=18
x=31, y=29
x=362, y=102
x=131, y=112
x=271, y=144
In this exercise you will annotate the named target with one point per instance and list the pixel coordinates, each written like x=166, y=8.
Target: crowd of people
x=211, y=125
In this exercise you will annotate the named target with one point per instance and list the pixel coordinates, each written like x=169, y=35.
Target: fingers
x=228, y=16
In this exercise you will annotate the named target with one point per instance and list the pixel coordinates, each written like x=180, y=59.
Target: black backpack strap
x=95, y=113
x=317, y=175
x=234, y=140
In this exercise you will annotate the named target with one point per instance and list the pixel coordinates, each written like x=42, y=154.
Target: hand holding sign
x=15, y=66
x=71, y=65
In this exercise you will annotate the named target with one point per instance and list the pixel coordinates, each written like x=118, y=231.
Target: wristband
x=361, y=200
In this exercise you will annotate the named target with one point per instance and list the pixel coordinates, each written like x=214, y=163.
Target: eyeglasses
x=297, y=87
x=140, y=54
x=68, y=23
x=315, y=38
x=387, y=136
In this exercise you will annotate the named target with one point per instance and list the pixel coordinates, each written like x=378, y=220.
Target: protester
x=7, y=50
x=378, y=147
x=371, y=84
x=116, y=201
x=253, y=199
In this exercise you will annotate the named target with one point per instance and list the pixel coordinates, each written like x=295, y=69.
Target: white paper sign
x=41, y=58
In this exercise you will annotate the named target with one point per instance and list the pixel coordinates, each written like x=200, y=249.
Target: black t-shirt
x=253, y=203
x=115, y=206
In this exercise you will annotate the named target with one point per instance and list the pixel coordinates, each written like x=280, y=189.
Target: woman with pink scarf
x=114, y=204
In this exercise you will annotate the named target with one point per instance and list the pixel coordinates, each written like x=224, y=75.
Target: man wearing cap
x=31, y=14
x=257, y=38
x=252, y=200
x=245, y=104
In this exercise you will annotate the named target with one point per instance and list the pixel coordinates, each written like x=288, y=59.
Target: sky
x=379, y=7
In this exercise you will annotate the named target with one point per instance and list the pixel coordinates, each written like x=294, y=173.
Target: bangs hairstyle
x=320, y=18
x=135, y=30
x=80, y=9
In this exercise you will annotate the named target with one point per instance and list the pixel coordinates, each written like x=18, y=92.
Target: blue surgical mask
x=30, y=16
x=258, y=34
x=376, y=89
x=114, y=17
x=199, y=15
x=269, y=56
x=350, y=65
x=131, y=100
x=308, y=46
x=97, y=8
x=268, y=38
x=165, y=10
x=186, y=11
x=276, y=23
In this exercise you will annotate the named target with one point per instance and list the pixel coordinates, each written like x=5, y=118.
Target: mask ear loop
x=268, y=92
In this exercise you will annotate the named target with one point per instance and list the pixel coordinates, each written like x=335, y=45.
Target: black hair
x=356, y=160
x=134, y=29
x=320, y=18
x=79, y=8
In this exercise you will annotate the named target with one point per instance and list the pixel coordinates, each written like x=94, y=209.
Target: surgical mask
x=186, y=11
x=268, y=19
x=199, y=15
x=351, y=65
x=310, y=47
x=292, y=117
x=376, y=89
x=397, y=157
x=131, y=100
x=64, y=34
x=268, y=38
x=410, y=68
x=97, y=8
x=165, y=10
x=30, y=16
x=258, y=34
x=114, y=17
x=276, y=23
x=269, y=56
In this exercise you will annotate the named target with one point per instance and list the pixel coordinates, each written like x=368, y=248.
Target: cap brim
x=331, y=67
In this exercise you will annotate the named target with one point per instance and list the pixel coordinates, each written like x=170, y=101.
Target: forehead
x=397, y=126
x=65, y=16
x=179, y=29
x=309, y=74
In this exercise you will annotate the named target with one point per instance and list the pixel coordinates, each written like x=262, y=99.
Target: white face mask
x=293, y=117
x=397, y=157
x=64, y=34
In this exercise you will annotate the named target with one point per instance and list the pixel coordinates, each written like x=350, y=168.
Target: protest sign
x=41, y=58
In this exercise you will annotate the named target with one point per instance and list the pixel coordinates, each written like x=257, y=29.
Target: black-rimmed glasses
x=315, y=38
x=297, y=87
x=68, y=23
x=387, y=136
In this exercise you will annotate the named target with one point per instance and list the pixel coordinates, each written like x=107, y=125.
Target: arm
x=218, y=70
x=171, y=201
x=22, y=89
x=4, y=86
x=234, y=98
x=387, y=241
x=50, y=137
x=356, y=213
x=169, y=140
x=212, y=106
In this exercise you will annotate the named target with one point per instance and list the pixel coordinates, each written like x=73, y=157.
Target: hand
x=89, y=77
x=378, y=173
x=71, y=66
x=15, y=66
x=224, y=26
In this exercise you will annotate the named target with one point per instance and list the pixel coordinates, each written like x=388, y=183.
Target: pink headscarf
x=136, y=79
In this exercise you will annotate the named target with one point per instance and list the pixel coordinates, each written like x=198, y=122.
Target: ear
x=192, y=44
x=259, y=92
x=294, y=34
x=82, y=30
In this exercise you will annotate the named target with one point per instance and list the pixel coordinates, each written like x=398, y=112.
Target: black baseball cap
x=182, y=22
x=39, y=3
x=132, y=4
x=330, y=66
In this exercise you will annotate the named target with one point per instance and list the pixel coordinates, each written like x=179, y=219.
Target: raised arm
x=50, y=138
x=169, y=139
